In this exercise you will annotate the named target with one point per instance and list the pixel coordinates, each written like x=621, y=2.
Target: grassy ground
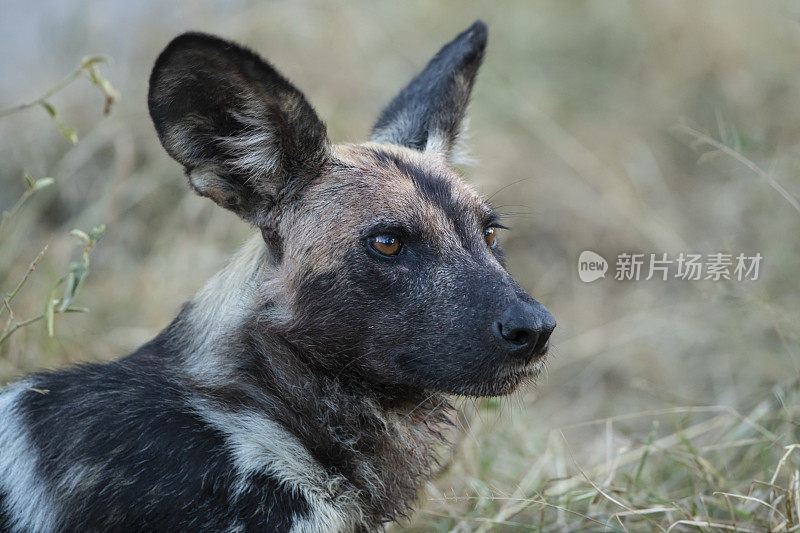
x=667, y=405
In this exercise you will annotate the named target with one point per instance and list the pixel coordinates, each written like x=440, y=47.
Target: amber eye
x=386, y=244
x=490, y=237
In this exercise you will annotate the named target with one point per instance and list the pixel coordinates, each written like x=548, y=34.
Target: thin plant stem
x=68, y=79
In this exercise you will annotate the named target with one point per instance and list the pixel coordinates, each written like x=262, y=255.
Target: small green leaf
x=106, y=86
x=78, y=272
x=97, y=233
x=30, y=183
x=103, y=84
x=90, y=61
x=82, y=236
x=69, y=133
x=42, y=183
x=65, y=130
x=49, y=108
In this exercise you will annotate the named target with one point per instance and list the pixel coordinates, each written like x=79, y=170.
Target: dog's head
x=389, y=266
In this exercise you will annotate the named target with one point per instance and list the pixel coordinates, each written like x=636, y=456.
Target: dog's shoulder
x=126, y=443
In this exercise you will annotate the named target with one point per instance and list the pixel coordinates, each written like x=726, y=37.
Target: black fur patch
x=5, y=520
x=138, y=456
x=221, y=108
x=436, y=100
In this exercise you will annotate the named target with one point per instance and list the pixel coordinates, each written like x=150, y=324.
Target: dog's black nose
x=524, y=329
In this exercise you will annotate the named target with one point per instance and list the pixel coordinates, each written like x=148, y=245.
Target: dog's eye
x=386, y=244
x=490, y=237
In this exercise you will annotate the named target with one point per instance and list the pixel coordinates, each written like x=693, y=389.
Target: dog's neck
x=381, y=441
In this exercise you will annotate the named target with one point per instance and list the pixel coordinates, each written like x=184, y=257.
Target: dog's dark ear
x=246, y=136
x=427, y=114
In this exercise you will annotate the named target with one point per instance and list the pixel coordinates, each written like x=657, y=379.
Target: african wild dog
x=305, y=387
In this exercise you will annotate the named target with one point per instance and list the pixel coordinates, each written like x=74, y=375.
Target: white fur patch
x=261, y=445
x=255, y=149
x=28, y=503
x=455, y=152
x=257, y=443
x=220, y=308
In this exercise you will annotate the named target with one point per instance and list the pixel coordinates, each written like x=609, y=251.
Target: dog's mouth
x=523, y=372
x=529, y=365
x=508, y=378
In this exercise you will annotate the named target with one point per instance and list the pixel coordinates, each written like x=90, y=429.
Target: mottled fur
x=305, y=387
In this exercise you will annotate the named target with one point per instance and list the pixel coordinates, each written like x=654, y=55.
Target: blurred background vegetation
x=666, y=404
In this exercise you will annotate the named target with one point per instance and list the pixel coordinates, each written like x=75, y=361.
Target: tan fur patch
x=323, y=227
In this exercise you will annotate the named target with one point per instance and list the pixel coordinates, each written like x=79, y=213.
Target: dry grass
x=613, y=126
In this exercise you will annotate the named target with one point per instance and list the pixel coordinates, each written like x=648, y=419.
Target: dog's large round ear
x=247, y=138
x=428, y=114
